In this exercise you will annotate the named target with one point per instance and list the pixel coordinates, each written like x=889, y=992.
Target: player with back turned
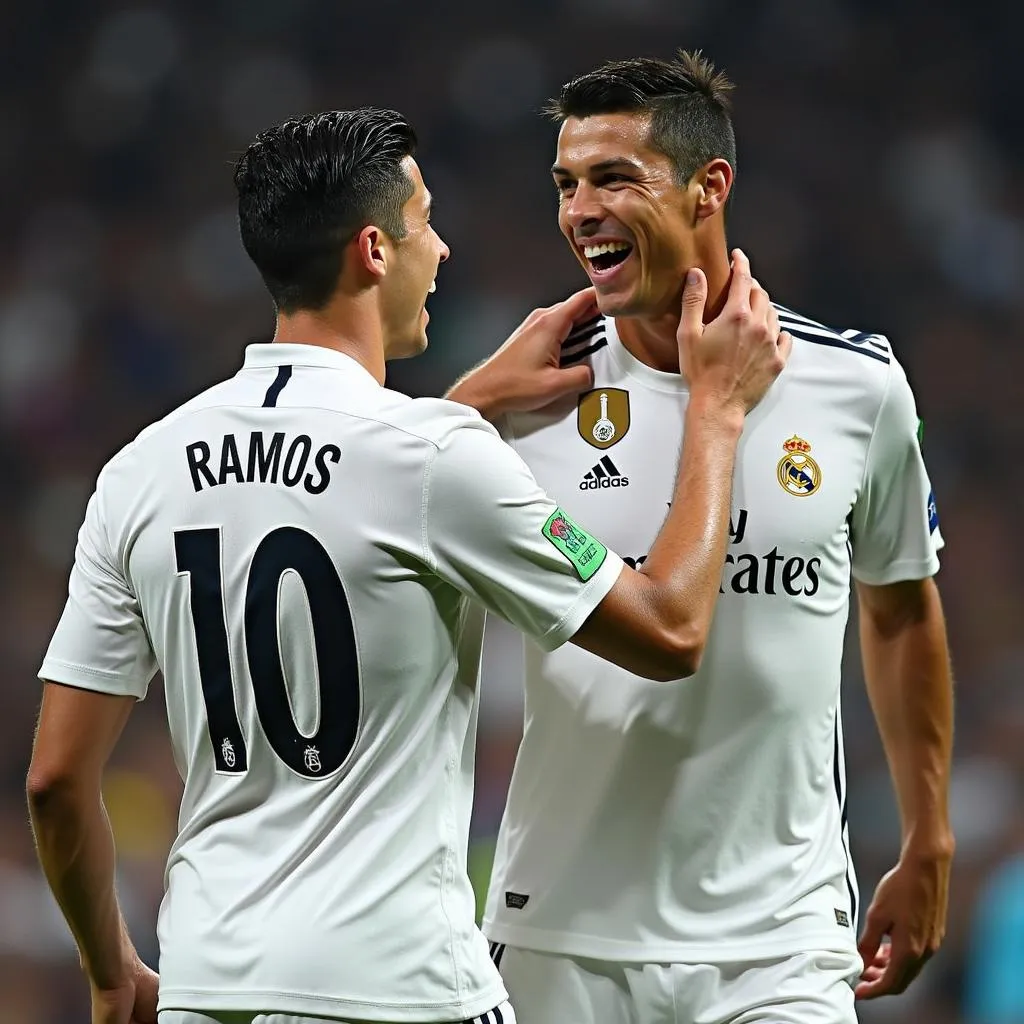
x=681, y=853
x=307, y=557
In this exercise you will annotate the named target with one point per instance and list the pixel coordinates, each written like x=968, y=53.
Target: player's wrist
x=711, y=408
x=112, y=968
x=114, y=975
x=477, y=395
x=930, y=840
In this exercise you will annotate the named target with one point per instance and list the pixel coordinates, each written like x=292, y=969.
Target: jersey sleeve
x=100, y=642
x=491, y=532
x=895, y=526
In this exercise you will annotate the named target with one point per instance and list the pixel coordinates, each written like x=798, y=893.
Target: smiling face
x=405, y=288
x=625, y=215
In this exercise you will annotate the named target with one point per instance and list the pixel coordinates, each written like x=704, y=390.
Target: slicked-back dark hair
x=307, y=187
x=687, y=98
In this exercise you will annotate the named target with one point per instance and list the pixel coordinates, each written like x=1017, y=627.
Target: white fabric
x=704, y=820
x=503, y=1014
x=809, y=988
x=320, y=864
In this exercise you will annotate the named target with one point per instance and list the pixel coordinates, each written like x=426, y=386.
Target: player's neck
x=652, y=340
x=349, y=327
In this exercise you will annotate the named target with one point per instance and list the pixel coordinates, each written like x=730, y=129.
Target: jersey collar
x=656, y=380
x=259, y=356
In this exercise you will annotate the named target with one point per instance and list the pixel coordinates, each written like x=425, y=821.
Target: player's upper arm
x=894, y=526
x=77, y=732
x=890, y=607
x=101, y=642
x=627, y=629
x=492, y=532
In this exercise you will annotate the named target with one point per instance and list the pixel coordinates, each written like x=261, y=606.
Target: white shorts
x=810, y=988
x=499, y=1015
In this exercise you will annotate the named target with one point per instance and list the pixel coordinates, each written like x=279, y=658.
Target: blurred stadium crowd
x=881, y=186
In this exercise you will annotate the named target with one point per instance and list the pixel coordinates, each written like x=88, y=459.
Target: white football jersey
x=293, y=549
x=705, y=819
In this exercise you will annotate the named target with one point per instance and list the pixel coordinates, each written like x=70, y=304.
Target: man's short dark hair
x=687, y=98
x=307, y=187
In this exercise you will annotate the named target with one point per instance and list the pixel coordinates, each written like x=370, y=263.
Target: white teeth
x=590, y=251
x=433, y=287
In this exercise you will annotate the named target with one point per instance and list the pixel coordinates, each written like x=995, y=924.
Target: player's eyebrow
x=622, y=162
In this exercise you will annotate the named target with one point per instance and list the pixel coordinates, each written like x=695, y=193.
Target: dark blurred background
x=880, y=187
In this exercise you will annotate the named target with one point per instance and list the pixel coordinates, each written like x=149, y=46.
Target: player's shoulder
x=436, y=420
x=845, y=346
x=845, y=354
x=144, y=445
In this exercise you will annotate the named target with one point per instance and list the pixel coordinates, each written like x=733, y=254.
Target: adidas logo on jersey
x=604, y=474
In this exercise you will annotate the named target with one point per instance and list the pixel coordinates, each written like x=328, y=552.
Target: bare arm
x=909, y=683
x=77, y=731
x=655, y=621
x=673, y=596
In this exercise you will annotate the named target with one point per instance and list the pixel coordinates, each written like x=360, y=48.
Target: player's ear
x=713, y=184
x=372, y=251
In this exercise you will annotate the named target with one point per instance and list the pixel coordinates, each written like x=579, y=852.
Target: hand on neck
x=652, y=339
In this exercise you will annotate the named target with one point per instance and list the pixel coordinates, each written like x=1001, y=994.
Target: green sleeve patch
x=920, y=433
x=586, y=553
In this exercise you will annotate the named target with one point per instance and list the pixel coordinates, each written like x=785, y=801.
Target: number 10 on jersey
x=198, y=554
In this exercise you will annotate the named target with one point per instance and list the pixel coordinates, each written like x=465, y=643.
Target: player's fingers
x=882, y=957
x=878, y=981
x=867, y=988
x=695, y=295
x=897, y=974
x=875, y=928
x=869, y=977
x=760, y=304
x=785, y=346
x=741, y=281
x=571, y=381
x=874, y=970
x=578, y=308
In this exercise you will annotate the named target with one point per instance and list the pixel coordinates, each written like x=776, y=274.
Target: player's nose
x=583, y=208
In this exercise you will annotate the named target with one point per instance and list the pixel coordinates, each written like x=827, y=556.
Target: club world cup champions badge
x=602, y=416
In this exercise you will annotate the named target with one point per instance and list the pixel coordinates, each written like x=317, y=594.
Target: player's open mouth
x=604, y=259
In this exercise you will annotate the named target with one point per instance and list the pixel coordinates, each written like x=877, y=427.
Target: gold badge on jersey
x=602, y=416
x=798, y=473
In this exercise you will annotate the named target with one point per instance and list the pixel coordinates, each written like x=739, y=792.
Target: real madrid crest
x=602, y=416
x=798, y=473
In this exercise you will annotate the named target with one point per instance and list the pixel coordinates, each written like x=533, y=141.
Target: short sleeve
x=100, y=642
x=495, y=535
x=895, y=527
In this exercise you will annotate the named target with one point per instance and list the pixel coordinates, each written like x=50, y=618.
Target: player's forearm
x=476, y=390
x=76, y=849
x=687, y=558
x=909, y=682
x=462, y=391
